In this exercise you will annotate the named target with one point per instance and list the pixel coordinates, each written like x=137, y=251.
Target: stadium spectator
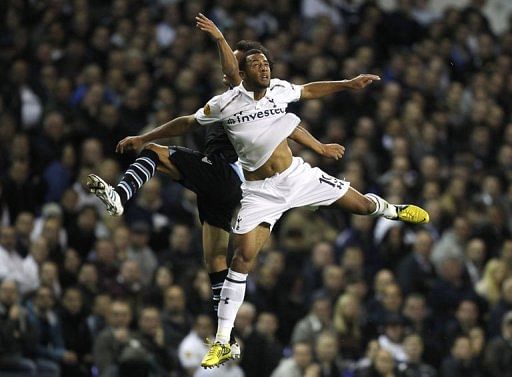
x=48, y=329
x=295, y=365
x=18, y=339
x=262, y=351
x=318, y=320
x=498, y=353
x=461, y=361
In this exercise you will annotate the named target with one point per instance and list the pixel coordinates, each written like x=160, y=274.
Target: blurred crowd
x=83, y=293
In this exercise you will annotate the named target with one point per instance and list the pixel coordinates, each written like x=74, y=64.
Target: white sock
x=231, y=298
x=383, y=208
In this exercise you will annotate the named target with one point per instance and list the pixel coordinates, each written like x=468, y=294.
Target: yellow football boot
x=217, y=355
x=412, y=214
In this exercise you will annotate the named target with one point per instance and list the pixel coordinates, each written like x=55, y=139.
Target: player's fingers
x=119, y=146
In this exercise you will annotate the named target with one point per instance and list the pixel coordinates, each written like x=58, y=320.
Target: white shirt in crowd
x=11, y=266
x=191, y=352
x=255, y=128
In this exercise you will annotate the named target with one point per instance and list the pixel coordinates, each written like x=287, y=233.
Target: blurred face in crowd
x=423, y=244
x=105, y=252
x=275, y=261
x=302, y=354
x=348, y=307
x=180, y=238
x=88, y=275
x=384, y=362
x=467, y=313
x=39, y=250
x=413, y=347
x=102, y=305
x=507, y=290
x=394, y=331
x=139, y=238
x=203, y=326
x=475, y=251
x=51, y=229
x=44, y=299
x=334, y=278
x=120, y=315
x=8, y=293
x=267, y=324
x=326, y=348
x=477, y=340
x=24, y=224
x=49, y=273
x=461, y=349
x=72, y=261
x=174, y=299
x=451, y=269
x=353, y=259
x=149, y=321
x=121, y=237
x=322, y=309
x=392, y=297
x=415, y=308
x=8, y=238
x=506, y=326
x=164, y=277
x=130, y=271
x=245, y=317
x=322, y=254
x=382, y=280
x=92, y=152
x=72, y=300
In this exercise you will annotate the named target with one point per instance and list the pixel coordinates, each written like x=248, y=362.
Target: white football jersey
x=255, y=128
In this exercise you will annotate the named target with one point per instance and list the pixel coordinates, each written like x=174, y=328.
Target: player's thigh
x=248, y=246
x=165, y=165
x=355, y=202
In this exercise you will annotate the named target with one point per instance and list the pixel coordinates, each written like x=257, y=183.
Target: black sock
x=217, y=280
x=138, y=173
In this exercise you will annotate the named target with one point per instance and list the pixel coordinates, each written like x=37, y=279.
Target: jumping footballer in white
x=257, y=124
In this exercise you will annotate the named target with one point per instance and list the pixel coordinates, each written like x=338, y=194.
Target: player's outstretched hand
x=362, y=81
x=205, y=24
x=334, y=151
x=130, y=143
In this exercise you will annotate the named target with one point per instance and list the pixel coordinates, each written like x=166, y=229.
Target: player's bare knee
x=367, y=207
x=242, y=263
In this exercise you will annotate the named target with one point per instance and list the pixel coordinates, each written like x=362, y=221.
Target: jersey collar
x=242, y=89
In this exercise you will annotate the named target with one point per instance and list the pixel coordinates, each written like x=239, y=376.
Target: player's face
x=257, y=71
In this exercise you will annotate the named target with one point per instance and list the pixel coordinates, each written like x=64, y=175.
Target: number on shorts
x=331, y=181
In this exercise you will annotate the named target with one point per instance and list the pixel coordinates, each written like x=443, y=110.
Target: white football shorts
x=299, y=185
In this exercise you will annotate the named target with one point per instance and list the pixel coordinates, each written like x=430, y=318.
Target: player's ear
x=242, y=74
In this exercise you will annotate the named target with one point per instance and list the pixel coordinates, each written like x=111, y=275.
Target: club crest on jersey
x=239, y=118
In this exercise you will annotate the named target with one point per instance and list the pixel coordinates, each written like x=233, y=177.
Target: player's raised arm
x=227, y=57
x=303, y=137
x=175, y=127
x=323, y=88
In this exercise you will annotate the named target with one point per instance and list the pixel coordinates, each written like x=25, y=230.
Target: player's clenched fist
x=130, y=143
x=334, y=151
x=362, y=81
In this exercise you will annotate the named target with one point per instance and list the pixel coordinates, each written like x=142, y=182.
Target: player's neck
x=259, y=92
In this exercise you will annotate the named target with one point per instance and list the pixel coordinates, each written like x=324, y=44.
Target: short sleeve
x=287, y=91
x=210, y=113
